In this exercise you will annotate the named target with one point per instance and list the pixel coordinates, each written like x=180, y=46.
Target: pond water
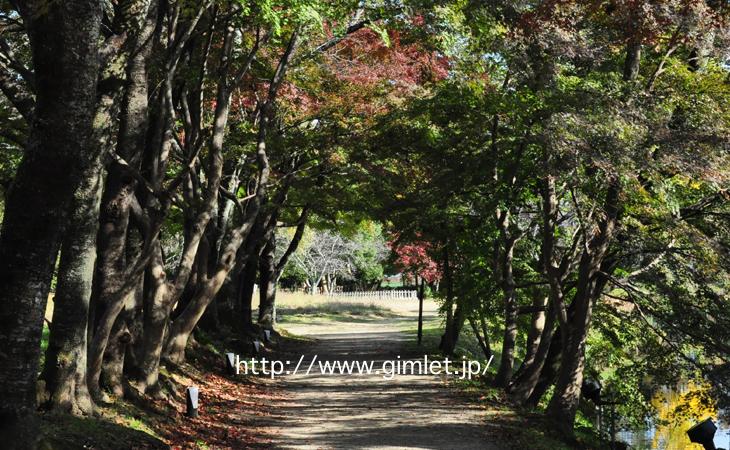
x=678, y=409
x=675, y=439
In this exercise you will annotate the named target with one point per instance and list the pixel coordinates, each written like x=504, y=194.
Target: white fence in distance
x=387, y=295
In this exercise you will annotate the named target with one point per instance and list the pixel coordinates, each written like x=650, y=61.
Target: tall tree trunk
x=445, y=342
x=120, y=343
x=564, y=403
x=247, y=282
x=632, y=62
x=591, y=279
x=509, y=339
x=111, y=268
x=548, y=369
x=210, y=320
x=454, y=319
x=534, y=334
x=65, y=364
x=537, y=325
x=523, y=386
x=112, y=375
x=74, y=308
x=208, y=288
x=119, y=358
x=64, y=43
x=135, y=318
x=136, y=19
x=249, y=257
x=524, y=383
x=183, y=326
x=267, y=283
x=279, y=268
x=156, y=319
x=452, y=332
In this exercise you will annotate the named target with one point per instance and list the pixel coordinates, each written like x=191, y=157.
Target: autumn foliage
x=414, y=258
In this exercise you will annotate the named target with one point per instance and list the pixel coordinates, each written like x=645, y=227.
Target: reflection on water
x=677, y=411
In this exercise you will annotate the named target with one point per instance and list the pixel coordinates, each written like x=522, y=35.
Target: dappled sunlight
x=350, y=411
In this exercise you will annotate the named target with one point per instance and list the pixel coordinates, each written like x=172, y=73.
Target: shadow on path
x=368, y=411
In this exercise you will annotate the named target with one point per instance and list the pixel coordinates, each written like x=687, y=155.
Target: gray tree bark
x=183, y=326
x=65, y=363
x=534, y=335
x=591, y=280
x=509, y=338
x=267, y=283
x=64, y=41
x=632, y=63
x=537, y=325
x=267, y=309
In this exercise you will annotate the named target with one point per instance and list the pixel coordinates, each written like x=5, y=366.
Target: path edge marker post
x=191, y=400
x=230, y=363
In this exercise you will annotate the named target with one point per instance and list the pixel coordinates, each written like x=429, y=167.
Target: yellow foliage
x=677, y=411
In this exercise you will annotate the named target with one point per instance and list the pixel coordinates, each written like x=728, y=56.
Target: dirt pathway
x=367, y=411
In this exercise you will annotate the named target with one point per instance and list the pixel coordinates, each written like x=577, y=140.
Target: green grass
x=524, y=428
x=120, y=427
x=520, y=427
x=467, y=346
x=332, y=311
x=139, y=425
x=202, y=445
x=294, y=337
x=44, y=345
x=66, y=431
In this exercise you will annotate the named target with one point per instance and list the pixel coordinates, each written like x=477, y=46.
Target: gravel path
x=367, y=411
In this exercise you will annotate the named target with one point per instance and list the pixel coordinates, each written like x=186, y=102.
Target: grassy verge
x=467, y=346
x=64, y=431
x=515, y=427
x=301, y=308
x=332, y=311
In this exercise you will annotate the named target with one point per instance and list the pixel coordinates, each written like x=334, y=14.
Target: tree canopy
x=559, y=170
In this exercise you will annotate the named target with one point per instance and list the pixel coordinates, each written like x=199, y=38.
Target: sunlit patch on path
x=366, y=411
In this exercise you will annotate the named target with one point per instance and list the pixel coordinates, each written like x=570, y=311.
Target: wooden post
x=420, y=310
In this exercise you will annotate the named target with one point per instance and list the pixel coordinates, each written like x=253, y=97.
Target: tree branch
x=294, y=243
x=334, y=41
x=16, y=92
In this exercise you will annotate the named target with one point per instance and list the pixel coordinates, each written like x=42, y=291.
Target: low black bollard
x=191, y=399
x=230, y=363
x=704, y=434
